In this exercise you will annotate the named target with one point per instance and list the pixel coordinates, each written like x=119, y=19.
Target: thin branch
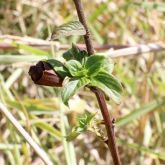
x=42, y=154
x=99, y=94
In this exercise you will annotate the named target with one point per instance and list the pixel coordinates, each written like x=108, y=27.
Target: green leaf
x=72, y=135
x=59, y=68
x=109, y=84
x=83, y=81
x=79, y=54
x=109, y=80
x=75, y=54
x=115, y=96
x=74, y=67
x=71, y=87
x=94, y=63
x=69, y=55
x=69, y=90
x=108, y=66
x=71, y=28
x=83, y=125
x=75, y=132
x=85, y=120
x=75, y=50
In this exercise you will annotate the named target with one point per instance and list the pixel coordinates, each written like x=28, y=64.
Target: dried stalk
x=114, y=51
x=99, y=94
x=7, y=40
x=135, y=50
x=41, y=153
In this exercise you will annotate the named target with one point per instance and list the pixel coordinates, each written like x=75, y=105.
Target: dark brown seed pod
x=43, y=74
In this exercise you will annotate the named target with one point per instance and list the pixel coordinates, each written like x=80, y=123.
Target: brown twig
x=99, y=94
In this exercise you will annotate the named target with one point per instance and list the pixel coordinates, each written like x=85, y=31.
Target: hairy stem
x=99, y=94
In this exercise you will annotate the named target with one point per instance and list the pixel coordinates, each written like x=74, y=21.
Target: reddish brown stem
x=99, y=94
x=80, y=12
x=109, y=125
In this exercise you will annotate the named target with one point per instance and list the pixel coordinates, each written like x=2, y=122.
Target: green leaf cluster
x=83, y=124
x=82, y=70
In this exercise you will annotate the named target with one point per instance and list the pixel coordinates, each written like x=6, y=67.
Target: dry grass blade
x=42, y=154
